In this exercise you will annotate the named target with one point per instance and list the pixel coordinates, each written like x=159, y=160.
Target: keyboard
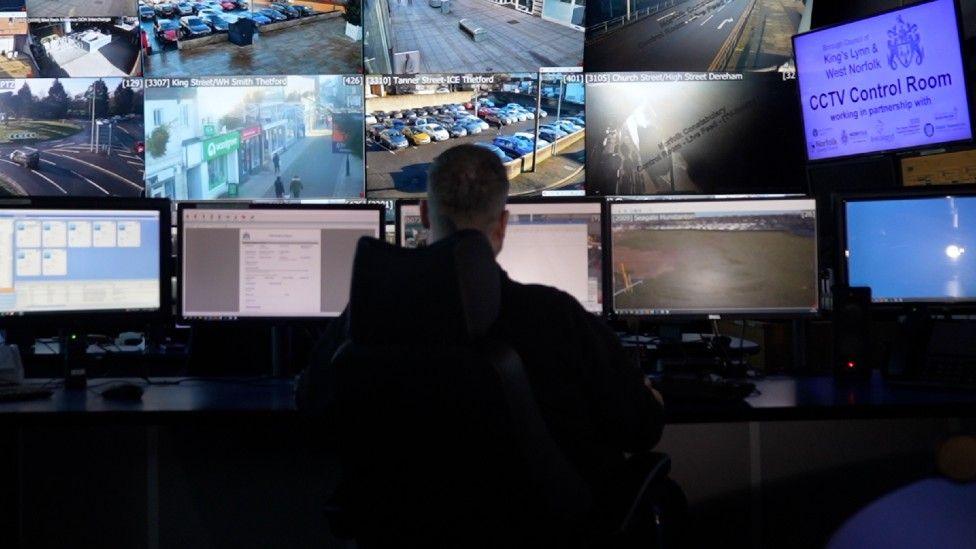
x=703, y=389
x=19, y=393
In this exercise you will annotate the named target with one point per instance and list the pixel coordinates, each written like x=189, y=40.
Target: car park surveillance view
x=696, y=35
x=412, y=119
x=287, y=137
x=85, y=46
x=251, y=37
x=81, y=8
x=74, y=136
x=443, y=36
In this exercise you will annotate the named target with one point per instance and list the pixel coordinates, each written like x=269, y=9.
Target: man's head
x=467, y=187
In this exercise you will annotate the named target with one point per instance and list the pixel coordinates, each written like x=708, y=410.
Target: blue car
x=548, y=135
x=457, y=130
x=495, y=149
x=520, y=146
x=258, y=19
x=473, y=127
x=568, y=126
x=216, y=22
x=274, y=15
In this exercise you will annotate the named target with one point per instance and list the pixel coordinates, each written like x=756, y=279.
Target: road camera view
x=443, y=36
x=696, y=35
x=699, y=133
x=85, y=46
x=286, y=137
x=412, y=119
x=251, y=37
x=714, y=257
x=74, y=136
x=81, y=8
x=15, y=59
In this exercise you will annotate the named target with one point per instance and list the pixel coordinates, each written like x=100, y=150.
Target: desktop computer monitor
x=269, y=261
x=753, y=258
x=914, y=248
x=556, y=242
x=64, y=259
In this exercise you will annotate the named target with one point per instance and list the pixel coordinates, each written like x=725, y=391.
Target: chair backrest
x=441, y=441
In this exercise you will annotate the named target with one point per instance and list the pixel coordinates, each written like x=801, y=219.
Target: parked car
x=228, y=5
x=416, y=136
x=473, y=127
x=375, y=130
x=165, y=9
x=370, y=119
x=568, y=126
x=576, y=120
x=394, y=123
x=494, y=148
x=259, y=20
x=509, y=151
x=167, y=31
x=559, y=132
x=146, y=13
x=435, y=131
x=27, y=159
x=194, y=27
x=184, y=8
x=274, y=15
x=302, y=10
x=457, y=130
x=548, y=134
x=519, y=116
x=528, y=138
x=393, y=139
x=496, y=120
x=471, y=118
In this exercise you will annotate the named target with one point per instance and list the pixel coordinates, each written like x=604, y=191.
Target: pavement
x=398, y=174
x=323, y=173
x=515, y=42
x=682, y=39
x=21, y=67
x=69, y=168
x=319, y=47
x=81, y=8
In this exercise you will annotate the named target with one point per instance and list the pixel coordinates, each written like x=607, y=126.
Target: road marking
x=666, y=16
x=101, y=169
x=706, y=20
x=48, y=162
x=97, y=186
x=729, y=20
x=133, y=163
x=49, y=180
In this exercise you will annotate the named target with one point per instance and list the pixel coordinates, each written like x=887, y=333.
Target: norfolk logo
x=904, y=45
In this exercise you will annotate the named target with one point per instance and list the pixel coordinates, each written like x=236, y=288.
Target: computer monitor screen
x=55, y=260
x=270, y=262
x=558, y=244
x=756, y=257
x=887, y=82
x=917, y=249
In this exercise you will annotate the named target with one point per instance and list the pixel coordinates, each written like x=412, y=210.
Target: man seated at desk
x=596, y=404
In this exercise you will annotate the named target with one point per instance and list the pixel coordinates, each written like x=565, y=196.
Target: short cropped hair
x=467, y=186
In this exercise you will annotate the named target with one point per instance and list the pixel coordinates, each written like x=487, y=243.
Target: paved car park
x=403, y=173
x=316, y=46
x=514, y=41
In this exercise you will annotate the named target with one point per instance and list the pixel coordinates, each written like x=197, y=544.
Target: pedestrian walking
x=296, y=186
x=276, y=160
x=279, y=187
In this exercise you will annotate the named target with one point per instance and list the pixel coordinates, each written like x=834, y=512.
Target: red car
x=485, y=111
x=227, y=5
x=469, y=105
x=168, y=30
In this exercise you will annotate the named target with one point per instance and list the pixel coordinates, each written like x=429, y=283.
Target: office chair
x=441, y=441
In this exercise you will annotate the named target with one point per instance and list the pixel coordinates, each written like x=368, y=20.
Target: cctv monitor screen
x=553, y=243
x=913, y=249
x=55, y=261
x=692, y=133
x=723, y=257
x=888, y=82
x=269, y=262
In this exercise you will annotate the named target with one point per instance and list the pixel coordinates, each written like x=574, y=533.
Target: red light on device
x=851, y=364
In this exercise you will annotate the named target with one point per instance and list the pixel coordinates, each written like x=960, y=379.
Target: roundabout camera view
x=411, y=120
x=78, y=137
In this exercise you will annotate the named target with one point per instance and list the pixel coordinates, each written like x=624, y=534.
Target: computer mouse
x=125, y=391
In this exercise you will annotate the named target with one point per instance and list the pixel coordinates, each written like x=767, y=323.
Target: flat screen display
x=888, y=82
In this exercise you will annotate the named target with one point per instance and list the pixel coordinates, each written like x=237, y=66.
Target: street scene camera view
x=81, y=8
x=251, y=37
x=703, y=133
x=412, y=119
x=714, y=257
x=696, y=35
x=285, y=137
x=85, y=46
x=441, y=36
x=76, y=136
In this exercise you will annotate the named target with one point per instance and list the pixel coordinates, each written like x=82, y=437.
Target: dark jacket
x=593, y=399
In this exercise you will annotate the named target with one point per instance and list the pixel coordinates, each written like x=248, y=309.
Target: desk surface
x=780, y=398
